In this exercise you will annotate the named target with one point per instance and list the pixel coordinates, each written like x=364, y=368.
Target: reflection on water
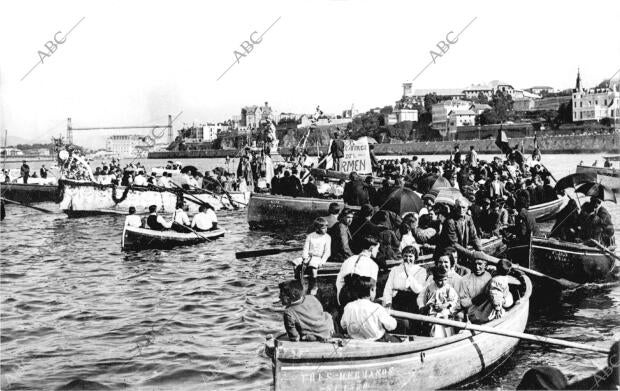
x=73, y=306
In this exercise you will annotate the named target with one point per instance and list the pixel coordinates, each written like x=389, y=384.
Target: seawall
x=608, y=143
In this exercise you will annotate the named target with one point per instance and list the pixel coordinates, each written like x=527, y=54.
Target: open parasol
x=597, y=190
x=573, y=180
x=447, y=195
x=402, y=201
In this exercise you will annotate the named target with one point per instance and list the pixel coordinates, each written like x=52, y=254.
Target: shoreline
x=607, y=143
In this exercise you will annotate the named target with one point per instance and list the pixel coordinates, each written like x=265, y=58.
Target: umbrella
x=402, y=201
x=597, y=190
x=188, y=169
x=426, y=184
x=446, y=195
x=573, y=180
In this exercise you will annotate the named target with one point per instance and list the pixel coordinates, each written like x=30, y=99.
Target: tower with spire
x=578, y=87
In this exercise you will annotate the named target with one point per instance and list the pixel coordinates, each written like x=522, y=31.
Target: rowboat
x=278, y=210
x=29, y=192
x=141, y=238
x=574, y=262
x=87, y=198
x=608, y=176
x=422, y=363
x=547, y=210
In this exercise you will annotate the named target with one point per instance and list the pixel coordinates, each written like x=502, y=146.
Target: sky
x=134, y=62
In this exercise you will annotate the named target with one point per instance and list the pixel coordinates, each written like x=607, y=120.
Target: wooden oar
x=191, y=230
x=496, y=331
x=561, y=281
x=269, y=251
x=189, y=196
x=603, y=248
x=233, y=202
x=27, y=206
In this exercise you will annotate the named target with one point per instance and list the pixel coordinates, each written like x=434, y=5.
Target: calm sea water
x=73, y=306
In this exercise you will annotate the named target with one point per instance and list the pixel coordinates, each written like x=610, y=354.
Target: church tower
x=578, y=82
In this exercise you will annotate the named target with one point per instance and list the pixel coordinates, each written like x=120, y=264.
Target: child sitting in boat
x=364, y=319
x=304, y=318
x=498, y=296
x=317, y=250
x=439, y=299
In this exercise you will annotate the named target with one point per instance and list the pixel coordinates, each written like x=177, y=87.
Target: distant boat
x=609, y=176
x=141, y=238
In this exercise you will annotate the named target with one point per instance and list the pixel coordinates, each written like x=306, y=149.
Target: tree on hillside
x=429, y=101
x=603, y=84
x=488, y=117
x=565, y=114
x=481, y=99
x=387, y=110
x=502, y=105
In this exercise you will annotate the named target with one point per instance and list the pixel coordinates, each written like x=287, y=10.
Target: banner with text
x=356, y=157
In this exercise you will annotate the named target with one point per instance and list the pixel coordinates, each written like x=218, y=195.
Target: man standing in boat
x=25, y=171
x=43, y=172
x=606, y=226
x=156, y=222
x=337, y=151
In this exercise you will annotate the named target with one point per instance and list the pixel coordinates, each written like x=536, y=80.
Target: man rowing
x=205, y=220
x=156, y=222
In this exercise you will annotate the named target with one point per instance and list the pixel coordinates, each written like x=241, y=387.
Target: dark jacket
x=291, y=186
x=310, y=190
x=388, y=248
x=341, y=237
x=275, y=185
x=360, y=227
x=458, y=234
x=355, y=193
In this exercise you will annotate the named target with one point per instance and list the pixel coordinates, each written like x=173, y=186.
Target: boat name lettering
x=345, y=376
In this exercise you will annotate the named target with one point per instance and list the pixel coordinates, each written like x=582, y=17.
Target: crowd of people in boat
x=204, y=220
x=366, y=240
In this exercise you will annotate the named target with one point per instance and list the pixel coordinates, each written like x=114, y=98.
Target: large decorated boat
x=80, y=198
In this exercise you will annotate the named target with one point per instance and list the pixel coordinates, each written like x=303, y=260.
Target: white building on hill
x=441, y=110
x=125, y=145
x=596, y=103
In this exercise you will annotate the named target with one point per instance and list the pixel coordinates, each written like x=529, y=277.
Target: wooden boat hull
x=29, y=192
x=572, y=261
x=85, y=199
x=140, y=238
x=422, y=364
x=608, y=176
x=277, y=210
x=547, y=210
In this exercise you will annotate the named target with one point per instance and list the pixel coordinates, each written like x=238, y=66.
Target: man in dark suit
x=459, y=231
x=362, y=226
x=310, y=189
x=341, y=237
x=355, y=192
x=605, y=225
